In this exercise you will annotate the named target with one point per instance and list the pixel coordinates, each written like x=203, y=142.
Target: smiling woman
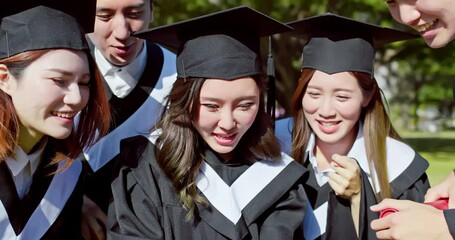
x=44, y=83
x=215, y=163
x=341, y=132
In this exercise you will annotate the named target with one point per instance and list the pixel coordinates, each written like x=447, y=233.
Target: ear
x=6, y=79
x=369, y=97
x=152, y=6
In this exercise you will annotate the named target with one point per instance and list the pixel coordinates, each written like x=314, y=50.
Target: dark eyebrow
x=65, y=73
x=106, y=9
x=215, y=99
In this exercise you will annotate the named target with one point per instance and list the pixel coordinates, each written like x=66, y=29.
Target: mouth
x=122, y=49
x=225, y=139
x=425, y=27
x=67, y=115
x=328, y=124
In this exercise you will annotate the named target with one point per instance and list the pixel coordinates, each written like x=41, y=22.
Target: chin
x=61, y=136
x=438, y=43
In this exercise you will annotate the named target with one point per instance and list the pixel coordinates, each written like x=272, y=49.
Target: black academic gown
x=449, y=215
x=50, y=210
x=132, y=115
x=329, y=216
x=261, y=201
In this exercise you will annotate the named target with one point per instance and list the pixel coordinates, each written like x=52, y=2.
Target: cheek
x=204, y=120
x=140, y=24
x=101, y=31
x=85, y=96
x=395, y=12
x=349, y=112
x=309, y=105
x=251, y=116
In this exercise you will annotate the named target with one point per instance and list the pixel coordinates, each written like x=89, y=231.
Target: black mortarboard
x=223, y=45
x=340, y=44
x=39, y=28
x=83, y=10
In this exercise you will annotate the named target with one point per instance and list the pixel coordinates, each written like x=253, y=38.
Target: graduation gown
x=133, y=115
x=261, y=201
x=329, y=216
x=52, y=207
x=449, y=215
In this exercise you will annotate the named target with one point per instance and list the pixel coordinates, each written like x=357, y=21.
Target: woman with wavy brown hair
x=214, y=169
x=341, y=132
x=47, y=77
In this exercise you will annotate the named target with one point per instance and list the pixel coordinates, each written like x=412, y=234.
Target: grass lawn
x=437, y=148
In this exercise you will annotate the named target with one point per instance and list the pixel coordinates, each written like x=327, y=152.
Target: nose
x=121, y=28
x=74, y=95
x=326, y=109
x=409, y=14
x=227, y=120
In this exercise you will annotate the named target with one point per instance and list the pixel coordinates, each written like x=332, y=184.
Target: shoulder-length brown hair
x=93, y=123
x=182, y=148
x=376, y=127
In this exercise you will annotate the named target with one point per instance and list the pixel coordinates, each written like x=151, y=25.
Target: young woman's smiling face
x=227, y=110
x=433, y=19
x=49, y=93
x=332, y=105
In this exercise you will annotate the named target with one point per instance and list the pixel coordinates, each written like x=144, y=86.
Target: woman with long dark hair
x=214, y=169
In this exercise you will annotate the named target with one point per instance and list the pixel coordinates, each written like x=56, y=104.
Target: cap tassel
x=271, y=84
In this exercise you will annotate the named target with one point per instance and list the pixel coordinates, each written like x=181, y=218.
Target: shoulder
x=283, y=132
x=402, y=155
x=153, y=48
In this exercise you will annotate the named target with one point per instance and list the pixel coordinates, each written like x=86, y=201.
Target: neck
x=28, y=139
x=324, y=151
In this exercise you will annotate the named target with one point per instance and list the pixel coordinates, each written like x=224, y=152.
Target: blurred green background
x=416, y=80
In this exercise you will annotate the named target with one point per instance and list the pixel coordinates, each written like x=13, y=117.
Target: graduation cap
x=223, y=45
x=83, y=10
x=39, y=28
x=340, y=44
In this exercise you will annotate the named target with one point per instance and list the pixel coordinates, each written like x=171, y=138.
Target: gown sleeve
x=286, y=220
x=449, y=215
x=132, y=214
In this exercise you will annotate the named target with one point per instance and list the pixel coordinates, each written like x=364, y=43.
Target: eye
x=59, y=82
x=245, y=106
x=104, y=16
x=211, y=107
x=389, y=2
x=135, y=14
x=342, y=98
x=313, y=94
x=85, y=84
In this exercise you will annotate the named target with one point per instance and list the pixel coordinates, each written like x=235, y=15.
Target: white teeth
x=426, y=26
x=225, y=136
x=63, y=115
x=327, y=124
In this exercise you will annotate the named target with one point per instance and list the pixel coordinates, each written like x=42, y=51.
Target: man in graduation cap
x=215, y=170
x=341, y=133
x=138, y=75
